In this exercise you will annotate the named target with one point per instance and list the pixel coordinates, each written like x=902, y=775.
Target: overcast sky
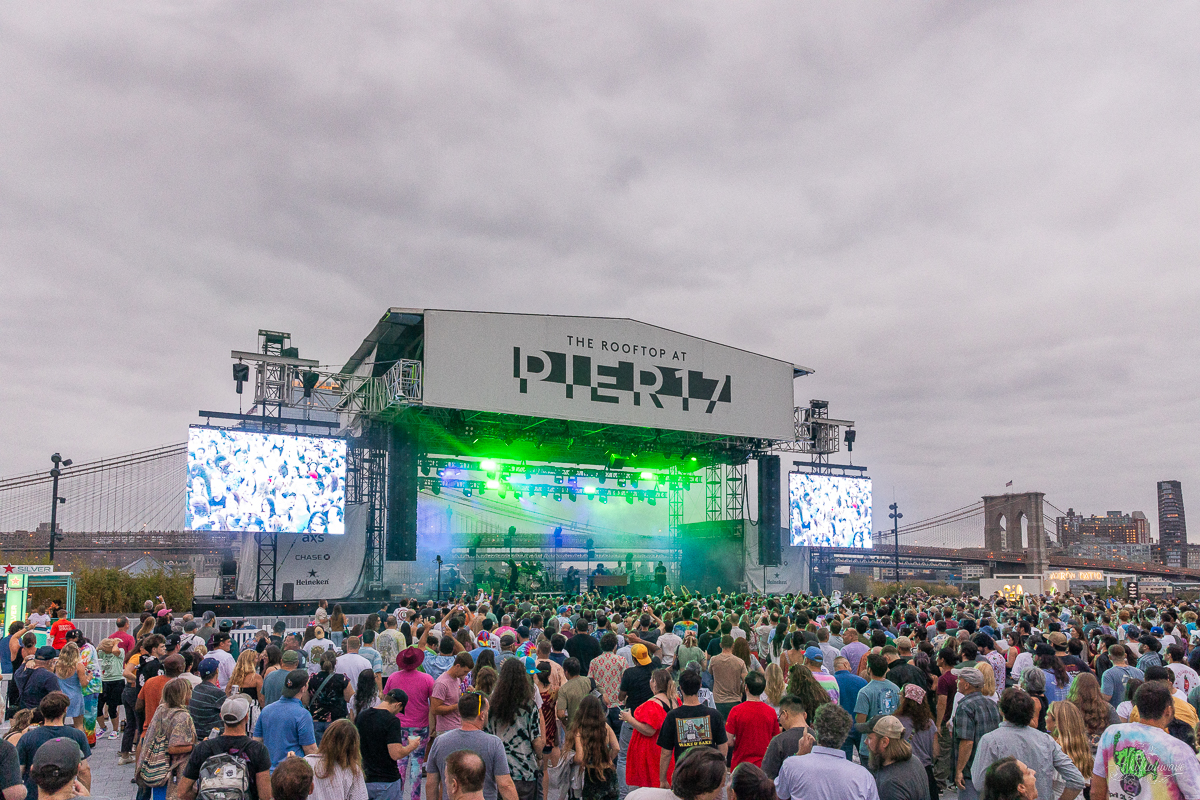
x=976, y=221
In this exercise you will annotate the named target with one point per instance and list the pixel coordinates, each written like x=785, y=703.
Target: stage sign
x=270, y=482
x=597, y=369
x=830, y=511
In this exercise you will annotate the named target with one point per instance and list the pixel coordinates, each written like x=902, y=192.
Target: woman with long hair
x=72, y=677
x=245, y=677
x=1033, y=681
x=1054, y=670
x=337, y=764
x=988, y=689
x=337, y=625
x=1125, y=709
x=1065, y=723
x=642, y=759
x=1009, y=779
x=919, y=730
x=596, y=749
x=779, y=640
x=688, y=652
x=513, y=716
x=93, y=683
x=270, y=660
x=146, y=628
x=1097, y=712
x=804, y=686
x=366, y=692
x=329, y=691
x=548, y=693
x=486, y=659
x=794, y=655
x=775, y=686
x=741, y=649
x=173, y=723
x=21, y=722
x=485, y=682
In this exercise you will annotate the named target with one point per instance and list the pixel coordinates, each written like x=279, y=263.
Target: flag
x=1008, y=484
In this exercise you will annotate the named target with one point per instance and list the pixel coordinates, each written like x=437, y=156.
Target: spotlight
x=425, y=469
x=621, y=482
x=309, y=380
x=629, y=499
x=589, y=490
x=241, y=374
x=651, y=500
x=603, y=478
x=558, y=478
x=571, y=495
x=493, y=484
x=516, y=494
x=544, y=491
x=633, y=482
x=503, y=494
x=487, y=465
x=558, y=496
x=466, y=491
x=647, y=475
x=437, y=488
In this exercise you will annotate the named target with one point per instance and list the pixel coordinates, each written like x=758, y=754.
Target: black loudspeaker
x=770, y=548
x=289, y=592
x=712, y=555
x=401, y=542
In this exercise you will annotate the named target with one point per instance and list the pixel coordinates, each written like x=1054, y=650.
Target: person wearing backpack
x=231, y=766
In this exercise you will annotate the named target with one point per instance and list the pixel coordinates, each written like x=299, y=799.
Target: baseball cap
x=1157, y=630
x=291, y=657
x=292, y=684
x=46, y=653
x=235, y=708
x=904, y=643
x=396, y=696
x=889, y=726
x=56, y=759
x=813, y=653
x=162, y=612
x=640, y=654
x=209, y=616
x=970, y=675
x=208, y=667
x=1058, y=639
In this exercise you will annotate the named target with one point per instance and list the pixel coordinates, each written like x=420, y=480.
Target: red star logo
x=8, y=569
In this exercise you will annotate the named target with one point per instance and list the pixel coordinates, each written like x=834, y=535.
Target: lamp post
x=895, y=517
x=59, y=462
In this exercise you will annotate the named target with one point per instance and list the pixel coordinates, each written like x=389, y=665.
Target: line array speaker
x=769, y=530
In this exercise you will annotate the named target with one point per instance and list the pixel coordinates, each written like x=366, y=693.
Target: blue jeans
x=385, y=791
x=319, y=729
x=626, y=735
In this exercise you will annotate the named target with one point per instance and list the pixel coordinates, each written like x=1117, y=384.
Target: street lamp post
x=895, y=517
x=59, y=462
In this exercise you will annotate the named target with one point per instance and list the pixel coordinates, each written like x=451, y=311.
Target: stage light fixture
x=571, y=495
x=633, y=482
x=647, y=475
x=424, y=469
x=621, y=482
x=603, y=498
x=241, y=374
x=558, y=478
x=437, y=488
x=487, y=465
x=309, y=381
x=466, y=491
x=503, y=494
x=651, y=500
x=516, y=494
x=629, y=499
x=558, y=496
x=603, y=478
x=589, y=490
x=493, y=484
x=545, y=490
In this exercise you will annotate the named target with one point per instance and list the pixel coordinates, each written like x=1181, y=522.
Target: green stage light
x=589, y=489
x=437, y=488
x=633, y=482
x=603, y=498
x=487, y=465
x=651, y=500
x=629, y=499
x=558, y=496
x=493, y=484
x=571, y=495
x=466, y=491
x=647, y=475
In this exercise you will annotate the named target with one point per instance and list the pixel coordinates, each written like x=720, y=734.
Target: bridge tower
x=1012, y=523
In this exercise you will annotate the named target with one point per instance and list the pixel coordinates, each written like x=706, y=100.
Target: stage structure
x=492, y=449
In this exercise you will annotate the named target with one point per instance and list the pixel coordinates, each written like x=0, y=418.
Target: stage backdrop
x=319, y=565
x=598, y=369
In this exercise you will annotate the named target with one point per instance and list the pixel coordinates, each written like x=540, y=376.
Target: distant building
x=1172, y=525
x=1143, y=527
x=1068, y=528
x=1114, y=526
x=1096, y=548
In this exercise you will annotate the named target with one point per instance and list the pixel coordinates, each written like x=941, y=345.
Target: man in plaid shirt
x=974, y=716
x=606, y=670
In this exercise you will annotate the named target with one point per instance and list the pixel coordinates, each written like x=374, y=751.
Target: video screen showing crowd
x=275, y=483
x=650, y=697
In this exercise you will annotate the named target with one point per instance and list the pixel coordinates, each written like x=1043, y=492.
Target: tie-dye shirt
x=1140, y=762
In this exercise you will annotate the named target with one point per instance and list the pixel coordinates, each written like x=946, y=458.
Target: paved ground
x=110, y=782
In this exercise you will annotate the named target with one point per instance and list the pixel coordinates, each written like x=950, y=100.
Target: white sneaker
x=114, y=735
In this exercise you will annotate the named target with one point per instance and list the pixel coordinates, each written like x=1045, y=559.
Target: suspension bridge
x=119, y=509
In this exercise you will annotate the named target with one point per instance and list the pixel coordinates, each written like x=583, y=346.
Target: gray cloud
x=976, y=221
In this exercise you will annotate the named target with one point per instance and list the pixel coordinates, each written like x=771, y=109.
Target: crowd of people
x=527, y=697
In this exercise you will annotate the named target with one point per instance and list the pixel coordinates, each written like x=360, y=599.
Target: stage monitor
x=830, y=512
x=275, y=483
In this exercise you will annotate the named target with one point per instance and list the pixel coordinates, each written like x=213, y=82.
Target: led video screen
x=829, y=511
x=270, y=482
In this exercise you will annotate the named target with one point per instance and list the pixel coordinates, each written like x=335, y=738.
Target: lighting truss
x=501, y=469
x=555, y=490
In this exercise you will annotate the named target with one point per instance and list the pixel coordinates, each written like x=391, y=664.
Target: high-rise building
x=1143, y=527
x=1114, y=526
x=1172, y=526
x=1068, y=528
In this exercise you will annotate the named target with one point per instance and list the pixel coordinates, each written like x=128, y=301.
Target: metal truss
x=555, y=490
x=714, y=479
x=502, y=469
x=816, y=433
x=735, y=491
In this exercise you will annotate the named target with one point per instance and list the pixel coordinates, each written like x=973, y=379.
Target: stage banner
x=597, y=369
x=317, y=565
x=791, y=575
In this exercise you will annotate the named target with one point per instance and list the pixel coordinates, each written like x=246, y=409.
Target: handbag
x=320, y=689
x=155, y=769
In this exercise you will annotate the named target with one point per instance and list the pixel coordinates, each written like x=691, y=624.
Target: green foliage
x=884, y=589
x=856, y=583
x=100, y=590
